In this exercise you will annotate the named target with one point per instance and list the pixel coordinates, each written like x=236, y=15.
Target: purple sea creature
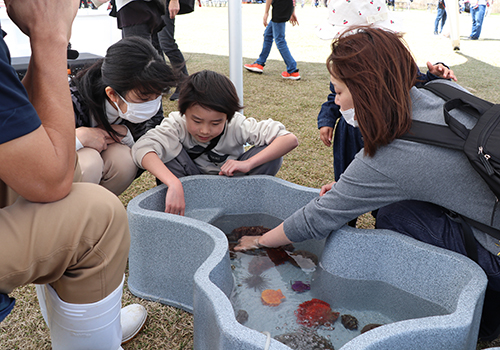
x=300, y=287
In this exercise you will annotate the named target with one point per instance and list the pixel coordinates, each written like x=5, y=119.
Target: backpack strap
x=485, y=228
x=197, y=151
x=434, y=134
x=455, y=133
x=467, y=234
x=456, y=98
x=449, y=92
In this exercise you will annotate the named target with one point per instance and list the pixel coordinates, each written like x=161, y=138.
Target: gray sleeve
x=359, y=190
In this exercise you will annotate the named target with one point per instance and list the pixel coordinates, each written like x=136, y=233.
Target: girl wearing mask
x=116, y=101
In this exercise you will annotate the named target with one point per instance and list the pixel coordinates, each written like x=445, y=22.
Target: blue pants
x=276, y=31
x=441, y=16
x=477, y=15
x=429, y=223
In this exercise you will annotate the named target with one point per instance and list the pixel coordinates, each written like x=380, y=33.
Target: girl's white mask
x=139, y=112
x=349, y=117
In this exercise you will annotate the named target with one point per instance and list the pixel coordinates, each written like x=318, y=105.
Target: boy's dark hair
x=210, y=90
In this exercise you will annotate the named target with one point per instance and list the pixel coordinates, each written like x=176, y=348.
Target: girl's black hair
x=210, y=90
x=131, y=63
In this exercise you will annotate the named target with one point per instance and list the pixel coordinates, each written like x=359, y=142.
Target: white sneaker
x=132, y=318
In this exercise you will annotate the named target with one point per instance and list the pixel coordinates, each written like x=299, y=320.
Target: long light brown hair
x=379, y=71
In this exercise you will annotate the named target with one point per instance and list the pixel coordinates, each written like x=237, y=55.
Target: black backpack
x=481, y=144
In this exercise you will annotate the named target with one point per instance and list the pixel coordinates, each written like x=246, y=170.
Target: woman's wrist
x=259, y=242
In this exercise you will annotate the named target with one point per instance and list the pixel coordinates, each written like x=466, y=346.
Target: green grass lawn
x=296, y=105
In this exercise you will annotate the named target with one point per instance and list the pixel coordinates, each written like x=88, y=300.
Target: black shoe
x=175, y=95
x=489, y=329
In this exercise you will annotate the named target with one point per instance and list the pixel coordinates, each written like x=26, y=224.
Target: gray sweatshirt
x=403, y=170
x=168, y=139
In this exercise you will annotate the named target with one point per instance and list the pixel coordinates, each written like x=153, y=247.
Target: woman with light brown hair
x=415, y=185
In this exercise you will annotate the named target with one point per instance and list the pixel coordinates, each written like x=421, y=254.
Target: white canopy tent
x=236, y=46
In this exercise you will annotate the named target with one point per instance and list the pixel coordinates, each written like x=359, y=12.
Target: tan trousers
x=78, y=244
x=113, y=168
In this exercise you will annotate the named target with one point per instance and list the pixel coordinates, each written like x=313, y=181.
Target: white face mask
x=349, y=117
x=139, y=112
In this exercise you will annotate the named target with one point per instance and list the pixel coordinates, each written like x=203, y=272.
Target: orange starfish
x=272, y=297
x=315, y=312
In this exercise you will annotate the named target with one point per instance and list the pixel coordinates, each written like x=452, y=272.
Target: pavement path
x=206, y=31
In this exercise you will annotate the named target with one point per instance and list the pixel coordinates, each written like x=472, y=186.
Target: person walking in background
x=167, y=40
x=477, y=11
x=283, y=11
x=441, y=16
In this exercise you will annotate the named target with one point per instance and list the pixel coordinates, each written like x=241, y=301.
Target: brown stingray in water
x=259, y=264
x=274, y=257
x=280, y=256
x=239, y=232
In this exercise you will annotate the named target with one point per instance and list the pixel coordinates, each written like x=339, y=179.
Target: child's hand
x=232, y=166
x=174, y=200
x=441, y=71
x=326, y=188
x=325, y=134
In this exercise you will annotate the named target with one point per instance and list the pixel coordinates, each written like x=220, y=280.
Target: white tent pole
x=235, y=46
x=452, y=12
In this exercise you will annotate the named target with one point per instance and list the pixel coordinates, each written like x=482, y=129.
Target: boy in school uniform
x=207, y=136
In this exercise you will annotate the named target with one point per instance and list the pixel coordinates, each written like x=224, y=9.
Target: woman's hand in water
x=248, y=243
x=273, y=238
x=326, y=188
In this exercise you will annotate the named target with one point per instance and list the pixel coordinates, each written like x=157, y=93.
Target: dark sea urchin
x=257, y=282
